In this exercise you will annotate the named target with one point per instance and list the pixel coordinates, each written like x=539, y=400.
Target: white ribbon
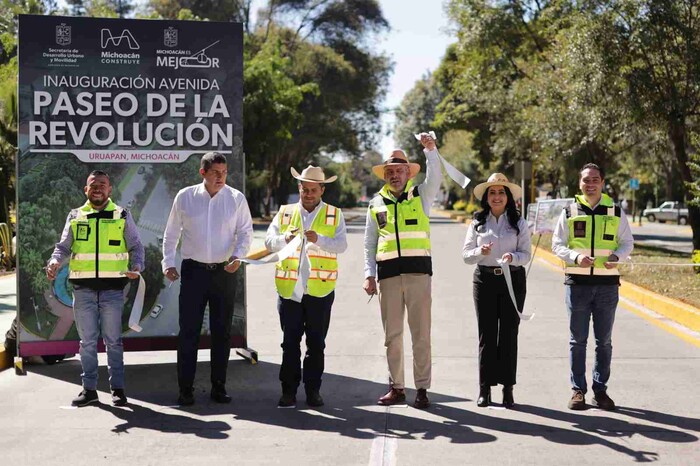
x=631, y=263
x=281, y=255
x=135, y=316
x=509, y=281
x=456, y=175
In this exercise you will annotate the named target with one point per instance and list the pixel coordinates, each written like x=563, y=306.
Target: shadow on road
x=140, y=417
x=350, y=411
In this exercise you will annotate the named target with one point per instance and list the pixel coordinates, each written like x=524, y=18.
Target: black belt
x=497, y=270
x=202, y=265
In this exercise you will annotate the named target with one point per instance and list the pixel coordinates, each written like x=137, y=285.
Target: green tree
x=76, y=7
x=9, y=11
x=417, y=113
x=660, y=51
x=271, y=106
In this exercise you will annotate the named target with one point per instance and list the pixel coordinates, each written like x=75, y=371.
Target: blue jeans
x=582, y=302
x=95, y=312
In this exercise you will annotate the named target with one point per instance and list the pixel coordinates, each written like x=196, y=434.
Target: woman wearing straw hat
x=498, y=232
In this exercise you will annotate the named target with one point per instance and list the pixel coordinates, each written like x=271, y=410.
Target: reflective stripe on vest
x=593, y=235
x=99, y=249
x=403, y=227
x=324, y=264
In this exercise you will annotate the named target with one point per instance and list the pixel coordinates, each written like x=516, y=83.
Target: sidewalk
x=8, y=307
x=8, y=303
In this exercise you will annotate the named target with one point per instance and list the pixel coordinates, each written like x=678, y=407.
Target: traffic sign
x=634, y=184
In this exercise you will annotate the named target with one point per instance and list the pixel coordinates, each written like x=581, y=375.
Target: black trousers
x=200, y=286
x=498, y=325
x=311, y=317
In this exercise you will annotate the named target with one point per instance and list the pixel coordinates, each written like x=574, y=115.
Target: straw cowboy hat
x=497, y=179
x=397, y=157
x=313, y=175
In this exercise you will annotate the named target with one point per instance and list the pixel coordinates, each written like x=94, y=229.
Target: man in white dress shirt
x=305, y=282
x=213, y=222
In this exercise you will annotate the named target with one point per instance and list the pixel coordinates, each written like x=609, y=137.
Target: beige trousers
x=409, y=292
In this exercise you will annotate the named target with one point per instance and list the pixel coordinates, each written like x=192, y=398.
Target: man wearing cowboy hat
x=305, y=282
x=397, y=255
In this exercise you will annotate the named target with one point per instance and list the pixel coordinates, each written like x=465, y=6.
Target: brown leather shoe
x=393, y=397
x=577, y=401
x=422, y=401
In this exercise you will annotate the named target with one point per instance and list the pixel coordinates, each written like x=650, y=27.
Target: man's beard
x=101, y=203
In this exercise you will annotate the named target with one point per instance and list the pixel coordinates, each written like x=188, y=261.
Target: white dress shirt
x=560, y=239
x=212, y=229
x=428, y=189
x=504, y=237
x=274, y=241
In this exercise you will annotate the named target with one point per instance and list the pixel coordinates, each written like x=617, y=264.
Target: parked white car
x=671, y=211
x=156, y=310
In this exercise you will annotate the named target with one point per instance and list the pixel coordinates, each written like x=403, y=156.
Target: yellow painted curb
x=441, y=213
x=677, y=311
x=5, y=359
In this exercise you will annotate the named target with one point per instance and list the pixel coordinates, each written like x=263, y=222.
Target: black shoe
x=601, y=400
x=186, y=397
x=218, y=393
x=314, y=399
x=484, y=397
x=85, y=398
x=287, y=400
x=119, y=397
x=508, y=401
x=422, y=401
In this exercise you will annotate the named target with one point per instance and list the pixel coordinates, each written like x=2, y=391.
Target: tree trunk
x=268, y=201
x=677, y=134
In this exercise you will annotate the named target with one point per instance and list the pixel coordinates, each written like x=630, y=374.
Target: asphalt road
x=654, y=382
x=664, y=235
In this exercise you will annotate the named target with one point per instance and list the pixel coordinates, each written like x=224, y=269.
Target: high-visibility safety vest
x=99, y=248
x=324, y=265
x=403, y=245
x=593, y=232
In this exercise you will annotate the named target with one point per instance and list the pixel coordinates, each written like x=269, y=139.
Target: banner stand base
x=19, y=366
x=248, y=354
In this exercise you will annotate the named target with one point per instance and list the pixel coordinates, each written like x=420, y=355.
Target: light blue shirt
x=504, y=237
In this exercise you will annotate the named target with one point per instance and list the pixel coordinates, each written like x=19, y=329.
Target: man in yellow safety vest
x=102, y=243
x=305, y=281
x=591, y=237
x=397, y=255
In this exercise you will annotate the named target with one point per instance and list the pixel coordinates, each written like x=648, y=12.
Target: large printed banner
x=141, y=100
x=548, y=212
